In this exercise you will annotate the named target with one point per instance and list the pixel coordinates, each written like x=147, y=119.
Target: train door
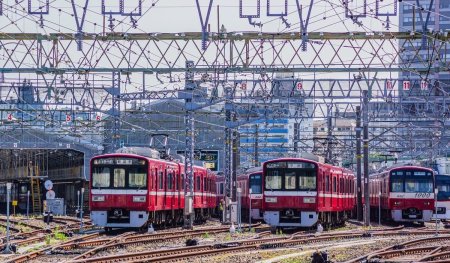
x=157, y=180
x=327, y=190
x=176, y=190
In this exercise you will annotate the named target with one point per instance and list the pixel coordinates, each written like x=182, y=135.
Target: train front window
x=137, y=177
x=291, y=176
x=397, y=185
x=418, y=186
x=290, y=181
x=307, y=180
x=100, y=177
x=273, y=180
x=411, y=181
x=119, y=177
x=255, y=183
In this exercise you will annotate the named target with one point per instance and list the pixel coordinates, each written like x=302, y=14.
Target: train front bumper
x=119, y=218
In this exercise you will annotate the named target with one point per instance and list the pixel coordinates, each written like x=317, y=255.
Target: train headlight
x=426, y=203
x=309, y=200
x=139, y=199
x=98, y=198
x=397, y=203
x=271, y=199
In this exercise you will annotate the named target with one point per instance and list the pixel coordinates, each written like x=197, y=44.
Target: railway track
x=133, y=240
x=257, y=243
x=438, y=253
x=38, y=234
x=34, y=254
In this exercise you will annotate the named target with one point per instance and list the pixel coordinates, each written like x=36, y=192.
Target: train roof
x=134, y=155
x=401, y=167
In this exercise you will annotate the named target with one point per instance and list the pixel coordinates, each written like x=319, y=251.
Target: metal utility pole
x=256, y=162
x=189, y=148
x=366, y=155
x=329, y=155
x=115, y=111
x=228, y=152
x=235, y=161
x=7, y=249
x=359, y=206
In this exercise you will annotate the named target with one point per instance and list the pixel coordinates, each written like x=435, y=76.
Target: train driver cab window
x=396, y=185
x=255, y=183
x=307, y=180
x=100, y=177
x=137, y=178
x=290, y=181
x=119, y=177
x=273, y=180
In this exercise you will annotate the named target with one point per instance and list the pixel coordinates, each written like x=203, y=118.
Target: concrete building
x=286, y=135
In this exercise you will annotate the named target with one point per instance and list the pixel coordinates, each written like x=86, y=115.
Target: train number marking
x=422, y=195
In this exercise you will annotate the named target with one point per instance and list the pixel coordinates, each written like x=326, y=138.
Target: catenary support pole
x=359, y=206
x=189, y=148
x=366, y=155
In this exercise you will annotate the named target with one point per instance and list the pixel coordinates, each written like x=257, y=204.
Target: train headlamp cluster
x=98, y=198
x=309, y=200
x=139, y=199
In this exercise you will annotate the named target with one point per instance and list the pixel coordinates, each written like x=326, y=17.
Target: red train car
x=407, y=194
x=299, y=192
x=251, y=180
x=135, y=187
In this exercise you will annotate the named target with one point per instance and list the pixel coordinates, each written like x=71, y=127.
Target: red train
x=299, y=192
x=136, y=187
x=250, y=179
x=407, y=194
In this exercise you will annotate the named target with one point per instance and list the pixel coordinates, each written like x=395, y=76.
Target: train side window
x=119, y=177
x=160, y=179
x=198, y=183
x=177, y=182
x=334, y=184
x=169, y=180
x=221, y=188
x=182, y=182
x=327, y=183
x=205, y=184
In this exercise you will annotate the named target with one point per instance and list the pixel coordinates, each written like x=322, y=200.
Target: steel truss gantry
x=218, y=70
x=229, y=52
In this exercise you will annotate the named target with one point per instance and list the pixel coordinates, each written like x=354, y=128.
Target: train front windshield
x=411, y=181
x=255, y=183
x=443, y=185
x=290, y=176
x=130, y=173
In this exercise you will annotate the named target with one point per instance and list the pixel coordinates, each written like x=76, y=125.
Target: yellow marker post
x=14, y=204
